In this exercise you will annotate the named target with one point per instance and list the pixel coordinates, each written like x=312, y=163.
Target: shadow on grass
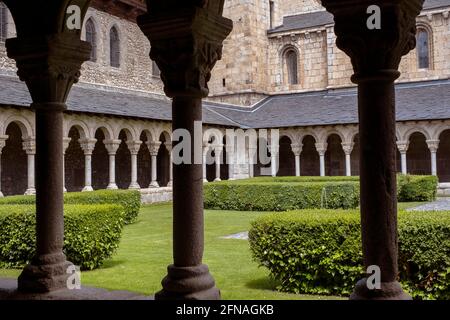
x=111, y=264
x=265, y=283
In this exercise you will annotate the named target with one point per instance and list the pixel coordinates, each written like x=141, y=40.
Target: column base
x=170, y=184
x=45, y=274
x=389, y=291
x=205, y=181
x=188, y=283
x=134, y=186
x=217, y=179
x=87, y=189
x=30, y=192
x=112, y=187
x=64, y=189
x=153, y=184
x=1, y=195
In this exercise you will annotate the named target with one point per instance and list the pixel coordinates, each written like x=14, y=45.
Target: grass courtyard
x=146, y=249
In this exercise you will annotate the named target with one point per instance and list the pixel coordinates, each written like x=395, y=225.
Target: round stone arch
x=105, y=129
x=418, y=156
x=22, y=122
x=419, y=129
x=80, y=126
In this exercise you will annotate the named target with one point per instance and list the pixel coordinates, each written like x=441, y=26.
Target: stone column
x=134, y=147
x=204, y=154
x=88, y=146
x=297, y=149
x=186, y=55
x=348, y=148
x=230, y=161
x=274, y=149
x=153, y=147
x=112, y=146
x=168, y=145
x=49, y=64
x=403, y=149
x=251, y=160
x=2, y=145
x=218, y=156
x=433, y=146
x=66, y=142
x=376, y=55
x=29, y=145
x=322, y=149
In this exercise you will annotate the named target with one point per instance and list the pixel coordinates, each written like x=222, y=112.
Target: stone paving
x=441, y=204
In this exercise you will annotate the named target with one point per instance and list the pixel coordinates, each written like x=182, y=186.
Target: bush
x=319, y=252
x=129, y=199
x=416, y=188
x=92, y=234
x=281, y=197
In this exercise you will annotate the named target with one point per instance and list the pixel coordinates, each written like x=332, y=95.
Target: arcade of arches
x=111, y=153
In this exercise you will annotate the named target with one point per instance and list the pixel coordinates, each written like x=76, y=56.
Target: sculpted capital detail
x=186, y=46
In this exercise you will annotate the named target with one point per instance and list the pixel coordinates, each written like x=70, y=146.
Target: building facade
x=280, y=69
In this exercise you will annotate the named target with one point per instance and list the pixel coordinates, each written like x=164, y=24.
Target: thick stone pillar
x=29, y=145
x=66, y=142
x=376, y=54
x=134, y=147
x=112, y=146
x=433, y=146
x=321, y=150
x=205, y=151
x=88, y=146
x=49, y=63
x=217, y=160
x=403, y=149
x=297, y=149
x=2, y=145
x=186, y=41
x=168, y=145
x=153, y=147
x=347, y=147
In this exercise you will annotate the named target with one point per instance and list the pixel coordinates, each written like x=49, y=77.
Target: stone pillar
x=321, y=150
x=230, y=161
x=348, y=148
x=112, y=146
x=297, y=149
x=217, y=160
x=433, y=146
x=204, y=155
x=251, y=160
x=186, y=55
x=88, y=146
x=29, y=145
x=134, y=147
x=403, y=149
x=168, y=145
x=153, y=147
x=49, y=64
x=2, y=145
x=66, y=142
x=274, y=149
x=376, y=55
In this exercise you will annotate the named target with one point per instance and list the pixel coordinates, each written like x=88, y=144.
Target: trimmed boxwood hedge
x=319, y=252
x=129, y=199
x=281, y=197
x=416, y=188
x=92, y=233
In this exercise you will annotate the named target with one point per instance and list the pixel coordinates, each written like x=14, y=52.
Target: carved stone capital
x=374, y=50
x=29, y=145
x=49, y=65
x=321, y=148
x=348, y=147
x=433, y=145
x=297, y=148
x=112, y=146
x=134, y=146
x=153, y=147
x=402, y=146
x=88, y=146
x=3, y=142
x=186, y=42
x=66, y=142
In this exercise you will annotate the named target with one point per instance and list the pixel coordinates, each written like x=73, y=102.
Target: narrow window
x=91, y=37
x=114, y=47
x=423, y=49
x=271, y=13
x=292, y=66
x=155, y=69
x=224, y=82
x=3, y=22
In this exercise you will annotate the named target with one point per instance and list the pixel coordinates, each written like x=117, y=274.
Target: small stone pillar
x=433, y=146
x=297, y=149
x=88, y=146
x=321, y=150
x=347, y=147
x=186, y=41
x=205, y=151
x=66, y=142
x=376, y=53
x=2, y=145
x=112, y=146
x=403, y=149
x=134, y=147
x=153, y=147
x=217, y=160
x=29, y=145
x=168, y=145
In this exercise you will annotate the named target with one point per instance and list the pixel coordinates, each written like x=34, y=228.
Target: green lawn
x=146, y=250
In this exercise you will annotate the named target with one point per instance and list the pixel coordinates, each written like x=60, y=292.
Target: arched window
x=91, y=37
x=3, y=22
x=423, y=48
x=291, y=66
x=114, y=47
